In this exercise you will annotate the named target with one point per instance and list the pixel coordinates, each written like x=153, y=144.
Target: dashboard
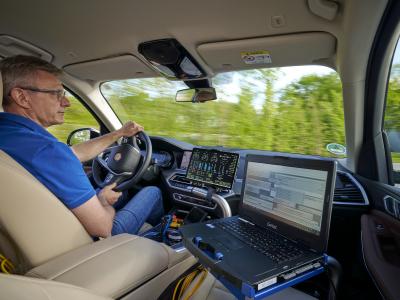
x=173, y=157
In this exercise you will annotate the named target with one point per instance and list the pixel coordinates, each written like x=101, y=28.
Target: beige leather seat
x=24, y=288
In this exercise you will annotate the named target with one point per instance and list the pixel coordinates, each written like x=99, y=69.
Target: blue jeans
x=146, y=205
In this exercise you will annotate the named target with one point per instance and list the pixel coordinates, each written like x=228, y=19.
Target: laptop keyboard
x=274, y=246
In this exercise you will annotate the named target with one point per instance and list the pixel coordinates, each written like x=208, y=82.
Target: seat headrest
x=1, y=93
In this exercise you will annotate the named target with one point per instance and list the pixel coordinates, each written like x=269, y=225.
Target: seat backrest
x=36, y=221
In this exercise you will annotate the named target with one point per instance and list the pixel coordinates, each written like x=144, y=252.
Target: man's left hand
x=129, y=129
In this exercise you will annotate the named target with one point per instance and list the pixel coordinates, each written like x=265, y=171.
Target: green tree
x=314, y=113
x=392, y=114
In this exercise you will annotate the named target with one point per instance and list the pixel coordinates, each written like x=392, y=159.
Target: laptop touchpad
x=228, y=242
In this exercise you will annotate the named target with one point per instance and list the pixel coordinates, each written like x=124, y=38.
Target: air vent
x=181, y=179
x=347, y=190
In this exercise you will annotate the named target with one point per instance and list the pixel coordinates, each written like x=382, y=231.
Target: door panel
x=380, y=237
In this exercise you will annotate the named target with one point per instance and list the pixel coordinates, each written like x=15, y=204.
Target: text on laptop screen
x=291, y=195
x=212, y=167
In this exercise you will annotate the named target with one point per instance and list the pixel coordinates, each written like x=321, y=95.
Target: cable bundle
x=185, y=282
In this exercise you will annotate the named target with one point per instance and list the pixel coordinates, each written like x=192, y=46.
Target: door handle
x=392, y=206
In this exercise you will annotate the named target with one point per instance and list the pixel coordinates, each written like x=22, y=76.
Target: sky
x=396, y=59
x=229, y=91
x=291, y=74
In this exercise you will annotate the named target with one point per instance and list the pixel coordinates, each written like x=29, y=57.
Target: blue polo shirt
x=53, y=163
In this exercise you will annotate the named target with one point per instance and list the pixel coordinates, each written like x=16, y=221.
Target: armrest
x=111, y=267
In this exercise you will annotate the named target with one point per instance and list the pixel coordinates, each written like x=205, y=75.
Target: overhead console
x=171, y=59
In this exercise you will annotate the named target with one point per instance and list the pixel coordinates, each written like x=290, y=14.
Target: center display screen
x=212, y=167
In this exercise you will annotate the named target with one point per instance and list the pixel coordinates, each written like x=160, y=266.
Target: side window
x=76, y=116
x=392, y=114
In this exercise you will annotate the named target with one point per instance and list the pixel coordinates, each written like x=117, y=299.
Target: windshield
x=296, y=109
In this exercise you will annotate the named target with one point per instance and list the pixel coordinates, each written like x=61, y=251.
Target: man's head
x=31, y=88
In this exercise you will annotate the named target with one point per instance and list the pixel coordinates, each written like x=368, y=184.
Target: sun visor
x=10, y=46
x=113, y=68
x=275, y=51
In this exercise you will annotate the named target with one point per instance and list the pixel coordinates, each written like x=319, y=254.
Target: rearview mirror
x=196, y=95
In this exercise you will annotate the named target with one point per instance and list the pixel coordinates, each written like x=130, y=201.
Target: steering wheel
x=124, y=164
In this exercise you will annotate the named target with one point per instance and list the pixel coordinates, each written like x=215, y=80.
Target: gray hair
x=20, y=70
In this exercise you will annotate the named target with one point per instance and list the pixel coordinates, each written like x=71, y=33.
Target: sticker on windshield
x=256, y=57
x=336, y=149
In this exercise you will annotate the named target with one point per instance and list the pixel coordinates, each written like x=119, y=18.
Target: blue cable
x=168, y=220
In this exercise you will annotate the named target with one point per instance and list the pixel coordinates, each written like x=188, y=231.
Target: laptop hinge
x=243, y=220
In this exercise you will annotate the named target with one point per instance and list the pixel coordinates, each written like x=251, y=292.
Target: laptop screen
x=292, y=195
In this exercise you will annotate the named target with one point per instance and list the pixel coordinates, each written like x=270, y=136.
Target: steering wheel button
x=108, y=178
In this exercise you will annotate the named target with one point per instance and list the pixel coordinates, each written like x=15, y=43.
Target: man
x=34, y=99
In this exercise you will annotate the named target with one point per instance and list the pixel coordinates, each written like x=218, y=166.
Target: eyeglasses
x=59, y=93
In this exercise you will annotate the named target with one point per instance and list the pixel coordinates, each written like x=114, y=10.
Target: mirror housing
x=196, y=95
x=82, y=135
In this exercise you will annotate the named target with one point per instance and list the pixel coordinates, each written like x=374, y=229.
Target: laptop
x=282, y=227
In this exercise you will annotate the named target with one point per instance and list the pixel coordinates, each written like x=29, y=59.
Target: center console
x=199, y=189
x=182, y=193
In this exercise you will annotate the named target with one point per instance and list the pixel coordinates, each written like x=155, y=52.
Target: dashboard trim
x=194, y=204
x=359, y=186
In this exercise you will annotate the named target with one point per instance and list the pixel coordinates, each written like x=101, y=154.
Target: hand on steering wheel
x=125, y=164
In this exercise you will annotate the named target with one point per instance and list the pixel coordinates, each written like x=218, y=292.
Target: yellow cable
x=6, y=265
x=197, y=284
x=176, y=287
x=183, y=284
x=187, y=282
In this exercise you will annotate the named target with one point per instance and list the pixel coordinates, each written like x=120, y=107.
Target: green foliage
x=307, y=116
x=392, y=113
x=76, y=116
x=302, y=118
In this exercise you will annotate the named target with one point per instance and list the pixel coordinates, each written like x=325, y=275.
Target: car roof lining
x=97, y=39
x=208, y=22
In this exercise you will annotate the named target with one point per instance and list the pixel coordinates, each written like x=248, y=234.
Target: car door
x=379, y=160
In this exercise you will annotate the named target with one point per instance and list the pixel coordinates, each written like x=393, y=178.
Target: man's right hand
x=108, y=196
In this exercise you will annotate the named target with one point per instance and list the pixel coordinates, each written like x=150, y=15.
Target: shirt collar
x=26, y=122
